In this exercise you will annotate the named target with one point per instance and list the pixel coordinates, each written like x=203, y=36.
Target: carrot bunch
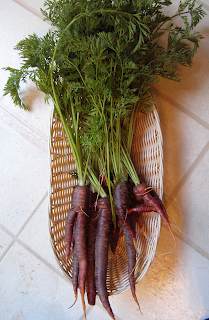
x=101, y=204
x=90, y=234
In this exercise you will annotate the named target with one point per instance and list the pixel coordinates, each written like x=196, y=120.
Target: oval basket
x=147, y=157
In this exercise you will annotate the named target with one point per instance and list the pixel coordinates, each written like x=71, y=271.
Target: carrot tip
x=84, y=306
x=136, y=300
x=91, y=298
x=139, y=306
x=140, y=311
x=76, y=296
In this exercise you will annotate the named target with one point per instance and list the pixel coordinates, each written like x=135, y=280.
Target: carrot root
x=91, y=238
x=121, y=203
x=80, y=202
x=141, y=209
x=131, y=258
x=114, y=237
x=101, y=251
x=143, y=190
x=70, y=220
x=75, y=274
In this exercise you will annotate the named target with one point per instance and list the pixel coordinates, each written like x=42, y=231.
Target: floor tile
x=37, y=237
x=38, y=119
x=190, y=206
x=25, y=129
x=192, y=92
x=25, y=173
x=183, y=140
x=31, y=291
x=16, y=24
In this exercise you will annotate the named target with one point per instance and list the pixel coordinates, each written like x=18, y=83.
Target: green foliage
x=111, y=47
x=100, y=61
x=13, y=84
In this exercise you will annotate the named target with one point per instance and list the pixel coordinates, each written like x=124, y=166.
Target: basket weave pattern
x=147, y=157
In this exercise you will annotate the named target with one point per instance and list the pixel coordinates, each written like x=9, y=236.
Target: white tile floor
x=32, y=286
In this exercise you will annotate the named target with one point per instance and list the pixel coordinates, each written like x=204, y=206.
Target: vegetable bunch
x=97, y=66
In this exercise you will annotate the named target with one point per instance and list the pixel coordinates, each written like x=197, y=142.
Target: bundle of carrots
x=90, y=232
x=96, y=67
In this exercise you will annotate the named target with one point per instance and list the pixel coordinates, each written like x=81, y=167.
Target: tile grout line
x=189, y=171
x=31, y=10
x=60, y=274
x=186, y=176
x=17, y=240
x=181, y=108
x=31, y=215
x=31, y=251
x=190, y=243
x=26, y=222
x=9, y=247
x=15, y=237
x=173, y=194
x=20, y=242
x=33, y=129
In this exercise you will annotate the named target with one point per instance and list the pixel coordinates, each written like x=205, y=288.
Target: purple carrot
x=101, y=251
x=114, y=237
x=140, y=208
x=80, y=238
x=70, y=220
x=121, y=203
x=78, y=198
x=91, y=238
x=131, y=259
x=75, y=274
x=143, y=190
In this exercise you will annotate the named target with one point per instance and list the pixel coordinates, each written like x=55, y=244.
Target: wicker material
x=147, y=157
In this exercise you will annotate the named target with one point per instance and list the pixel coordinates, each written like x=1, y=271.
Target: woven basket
x=147, y=157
